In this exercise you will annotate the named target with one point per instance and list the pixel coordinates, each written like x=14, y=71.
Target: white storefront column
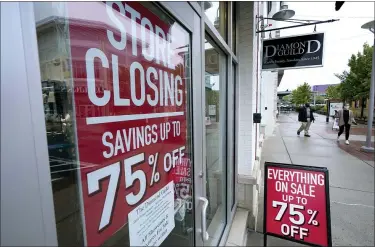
x=247, y=87
x=270, y=80
x=249, y=95
x=269, y=86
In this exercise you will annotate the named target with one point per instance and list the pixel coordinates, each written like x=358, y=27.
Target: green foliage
x=334, y=92
x=317, y=108
x=302, y=94
x=355, y=84
x=319, y=99
x=288, y=98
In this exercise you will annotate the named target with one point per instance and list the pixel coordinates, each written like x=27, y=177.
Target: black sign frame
x=283, y=40
x=328, y=207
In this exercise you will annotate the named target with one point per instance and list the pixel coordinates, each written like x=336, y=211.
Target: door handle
x=205, y=235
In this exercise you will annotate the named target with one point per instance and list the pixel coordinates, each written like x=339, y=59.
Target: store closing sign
x=296, y=204
x=129, y=150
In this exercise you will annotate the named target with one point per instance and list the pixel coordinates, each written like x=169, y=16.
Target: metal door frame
x=27, y=209
x=189, y=15
x=26, y=192
x=231, y=103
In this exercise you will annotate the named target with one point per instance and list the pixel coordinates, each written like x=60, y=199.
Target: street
x=351, y=177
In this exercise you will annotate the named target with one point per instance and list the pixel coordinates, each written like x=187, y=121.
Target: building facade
x=321, y=89
x=132, y=122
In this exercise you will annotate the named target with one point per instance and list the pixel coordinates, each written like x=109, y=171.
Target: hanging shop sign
x=304, y=51
x=136, y=142
x=296, y=204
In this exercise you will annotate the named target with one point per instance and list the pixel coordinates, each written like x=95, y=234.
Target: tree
x=319, y=99
x=334, y=92
x=355, y=85
x=346, y=86
x=302, y=94
x=288, y=98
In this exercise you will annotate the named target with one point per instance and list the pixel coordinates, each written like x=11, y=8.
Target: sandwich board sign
x=296, y=204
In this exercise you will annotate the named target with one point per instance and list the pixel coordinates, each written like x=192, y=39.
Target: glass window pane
x=216, y=13
x=234, y=27
x=232, y=175
x=215, y=141
x=116, y=95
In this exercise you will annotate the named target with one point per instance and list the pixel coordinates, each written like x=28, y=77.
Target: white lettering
x=119, y=45
x=91, y=54
x=119, y=145
x=148, y=50
x=134, y=15
x=107, y=144
x=309, y=46
x=178, y=92
x=169, y=89
x=133, y=67
x=274, y=51
x=152, y=71
x=129, y=139
x=116, y=87
x=160, y=45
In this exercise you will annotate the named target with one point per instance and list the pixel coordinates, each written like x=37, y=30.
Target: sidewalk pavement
x=351, y=179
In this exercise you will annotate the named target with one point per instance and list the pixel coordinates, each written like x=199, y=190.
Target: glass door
x=118, y=89
x=215, y=141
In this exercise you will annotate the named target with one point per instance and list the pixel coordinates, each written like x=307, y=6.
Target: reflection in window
x=216, y=13
x=215, y=139
x=234, y=27
x=232, y=169
x=63, y=44
x=269, y=7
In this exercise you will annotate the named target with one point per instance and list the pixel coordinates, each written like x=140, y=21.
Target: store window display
x=93, y=72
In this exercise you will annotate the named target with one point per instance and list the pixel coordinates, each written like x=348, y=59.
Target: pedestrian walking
x=346, y=119
x=305, y=116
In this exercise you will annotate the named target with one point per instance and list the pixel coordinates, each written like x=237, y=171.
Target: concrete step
x=238, y=231
x=256, y=239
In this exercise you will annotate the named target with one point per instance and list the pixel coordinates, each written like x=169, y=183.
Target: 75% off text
x=296, y=217
x=170, y=160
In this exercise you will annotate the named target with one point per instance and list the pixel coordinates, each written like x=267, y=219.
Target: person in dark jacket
x=305, y=116
x=346, y=118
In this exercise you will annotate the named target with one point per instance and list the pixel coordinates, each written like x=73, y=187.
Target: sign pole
x=367, y=148
x=264, y=239
x=264, y=207
x=328, y=104
x=328, y=209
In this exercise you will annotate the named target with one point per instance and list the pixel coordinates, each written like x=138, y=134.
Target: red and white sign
x=138, y=132
x=297, y=203
x=183, y=182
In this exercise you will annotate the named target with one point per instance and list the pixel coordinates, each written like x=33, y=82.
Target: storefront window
x=234, y=27
x=116, y=93
x=215, y=141
x=216, y=13
x=232, y=169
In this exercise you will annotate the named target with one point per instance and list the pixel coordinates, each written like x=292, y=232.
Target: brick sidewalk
x=355, y=149
x=354, y=130
x=360, y=130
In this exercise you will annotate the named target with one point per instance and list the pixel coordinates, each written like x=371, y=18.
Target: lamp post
x=367, y=148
